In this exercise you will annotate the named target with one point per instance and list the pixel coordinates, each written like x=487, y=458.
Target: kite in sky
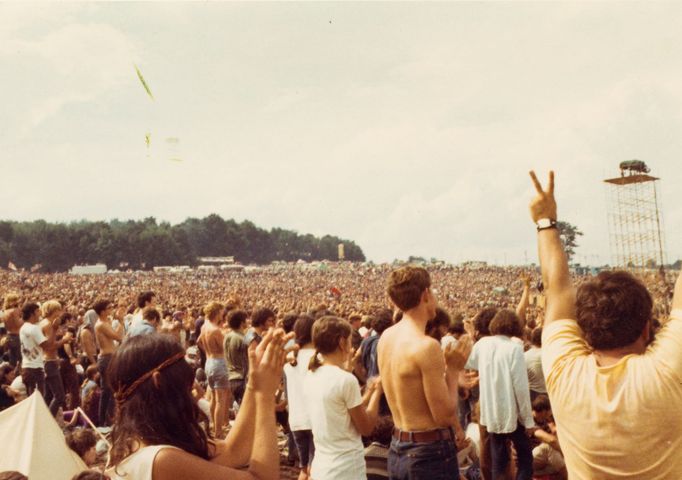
x=144, y=84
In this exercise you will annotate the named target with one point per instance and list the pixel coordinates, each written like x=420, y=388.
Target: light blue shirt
x=141, y=328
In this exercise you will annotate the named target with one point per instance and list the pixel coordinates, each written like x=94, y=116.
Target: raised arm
x=523, y=303
x=440, y=377
x=553, y=262
x=263, y=464
x=109, y=331
x=236, y=450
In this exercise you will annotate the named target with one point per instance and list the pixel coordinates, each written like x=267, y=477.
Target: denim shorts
x=216, y=372
x=423, y=461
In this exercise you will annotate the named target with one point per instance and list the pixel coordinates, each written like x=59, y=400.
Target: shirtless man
x=211, y=342
x=52, y=311
x=420, y=383
x=86, y=337
x=13, y=323
x=107, y=337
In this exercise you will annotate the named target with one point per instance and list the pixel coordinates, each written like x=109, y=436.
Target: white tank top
x=137, y=466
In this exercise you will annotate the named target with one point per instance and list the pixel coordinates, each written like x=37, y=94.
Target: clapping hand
x=456, y=354
x=267, y=360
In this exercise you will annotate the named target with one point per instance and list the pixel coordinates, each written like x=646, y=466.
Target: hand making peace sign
x=543, y=205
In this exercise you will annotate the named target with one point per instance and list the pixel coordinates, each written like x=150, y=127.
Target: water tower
x=635, y=220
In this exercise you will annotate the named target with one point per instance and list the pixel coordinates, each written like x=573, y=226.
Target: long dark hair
x=156, y=412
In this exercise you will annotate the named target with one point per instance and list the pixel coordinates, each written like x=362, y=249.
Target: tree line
x=143, y=244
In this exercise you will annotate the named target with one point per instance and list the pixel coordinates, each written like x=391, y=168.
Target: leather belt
x=427, y=436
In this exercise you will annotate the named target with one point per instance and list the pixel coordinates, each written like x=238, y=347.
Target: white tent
x=33, y=444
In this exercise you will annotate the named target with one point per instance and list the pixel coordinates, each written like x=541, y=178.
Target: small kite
x=148, y=139
x=144, y=84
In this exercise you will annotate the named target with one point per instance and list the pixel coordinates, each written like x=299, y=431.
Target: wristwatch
x=545, y=223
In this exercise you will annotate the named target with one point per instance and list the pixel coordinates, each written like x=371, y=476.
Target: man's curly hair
x=613, y=310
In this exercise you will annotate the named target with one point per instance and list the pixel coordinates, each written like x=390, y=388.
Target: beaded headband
x=122, y=394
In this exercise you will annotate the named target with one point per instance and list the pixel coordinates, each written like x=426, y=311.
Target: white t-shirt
x=536, y=379
x=330, y=392
x=31, y=336
x=447, y=340
x=298, y=408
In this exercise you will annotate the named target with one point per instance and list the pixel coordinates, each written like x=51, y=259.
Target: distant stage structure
x=635, y=220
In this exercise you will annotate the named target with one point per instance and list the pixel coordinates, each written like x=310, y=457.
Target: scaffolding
x=635, y=220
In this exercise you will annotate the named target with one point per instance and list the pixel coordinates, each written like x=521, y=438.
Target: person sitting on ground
x=83, y=441
x=156, y=433
x=376, y=453
x=8, y=396
x=547, y=458
x=614, y=389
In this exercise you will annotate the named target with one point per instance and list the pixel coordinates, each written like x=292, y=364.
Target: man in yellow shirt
x=616, y=392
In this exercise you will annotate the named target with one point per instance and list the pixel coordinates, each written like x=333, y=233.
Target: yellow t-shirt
x=620, y=421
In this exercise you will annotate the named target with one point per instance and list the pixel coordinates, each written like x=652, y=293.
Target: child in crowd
x=339, y=414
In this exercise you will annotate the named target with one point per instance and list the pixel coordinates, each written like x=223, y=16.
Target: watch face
x=544, y=222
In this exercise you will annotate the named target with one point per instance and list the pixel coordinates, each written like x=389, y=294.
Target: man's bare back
x=401, y=351
x=211, y=340
x=13, y=321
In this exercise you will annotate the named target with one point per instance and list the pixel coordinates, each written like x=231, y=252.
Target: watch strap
x=546, y=223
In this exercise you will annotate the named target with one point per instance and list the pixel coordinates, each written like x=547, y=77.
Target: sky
x=408, y=128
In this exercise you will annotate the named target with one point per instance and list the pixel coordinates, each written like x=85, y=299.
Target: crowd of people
x=368, y=371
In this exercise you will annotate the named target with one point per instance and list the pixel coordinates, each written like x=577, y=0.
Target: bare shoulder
x=172, y=463
x=427, y=349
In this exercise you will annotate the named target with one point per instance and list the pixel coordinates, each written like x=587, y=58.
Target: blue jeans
x=500, y=453
x=423, y=461
x=53, y=380
x=106, y=400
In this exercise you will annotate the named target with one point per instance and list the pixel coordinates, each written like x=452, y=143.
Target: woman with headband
x=157, y=434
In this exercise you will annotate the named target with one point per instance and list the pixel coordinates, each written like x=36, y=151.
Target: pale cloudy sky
x=408, y=128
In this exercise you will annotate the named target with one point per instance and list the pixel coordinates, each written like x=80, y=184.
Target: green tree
x=569, y=237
